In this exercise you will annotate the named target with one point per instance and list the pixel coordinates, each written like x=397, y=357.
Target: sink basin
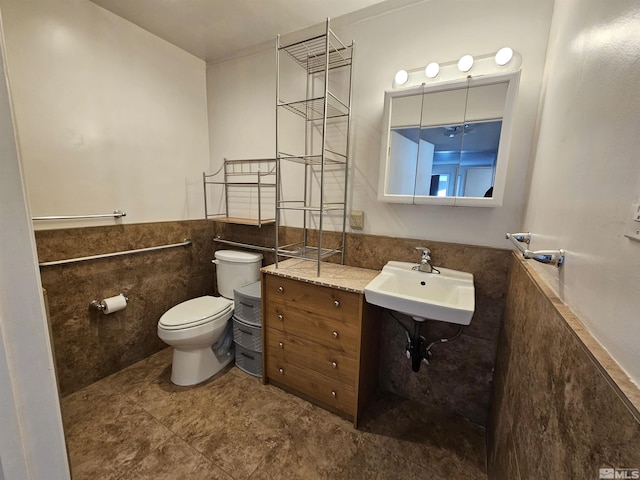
x=448, y=296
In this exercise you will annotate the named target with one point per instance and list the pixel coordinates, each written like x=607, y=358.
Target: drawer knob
x=334, y=365
x=334, y=394
x=336, y=303
x=281, y=345
x=280, y=317
x=335, y=334
x=281, y=371
x=281, y=289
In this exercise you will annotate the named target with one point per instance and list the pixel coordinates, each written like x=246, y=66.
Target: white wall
x=242, y=99
x=108, y=115
x=587, y=171
x=31, y=438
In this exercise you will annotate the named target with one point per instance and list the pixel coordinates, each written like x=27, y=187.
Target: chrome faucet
x=425, y=265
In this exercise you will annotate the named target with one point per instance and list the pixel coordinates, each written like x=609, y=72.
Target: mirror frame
x=502, y=160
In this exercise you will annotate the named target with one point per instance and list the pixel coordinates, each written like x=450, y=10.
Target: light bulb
x=465, y=63
x=402, y=77
x=504, y=56
x=432, y=70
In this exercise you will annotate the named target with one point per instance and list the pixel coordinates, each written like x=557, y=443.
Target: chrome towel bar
x=551, y=257
x=187, y=241
x=115, y=214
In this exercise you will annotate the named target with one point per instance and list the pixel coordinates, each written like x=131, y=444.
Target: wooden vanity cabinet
x=321, y=343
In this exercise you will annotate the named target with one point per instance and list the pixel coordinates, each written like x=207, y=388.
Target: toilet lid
x=235, y=256
x=195, y=312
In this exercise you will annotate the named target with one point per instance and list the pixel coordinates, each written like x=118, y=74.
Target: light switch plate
x=356, y=219
x=633, y=223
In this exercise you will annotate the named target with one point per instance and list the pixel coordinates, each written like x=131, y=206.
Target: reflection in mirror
x=441, y=127
x=404, y=142
x=464, y=158
x=448, y=142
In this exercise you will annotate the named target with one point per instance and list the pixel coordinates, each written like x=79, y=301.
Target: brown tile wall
x=561, y=406
x=90, y=345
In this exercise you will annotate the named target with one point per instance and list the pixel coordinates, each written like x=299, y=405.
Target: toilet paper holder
x=101, y=305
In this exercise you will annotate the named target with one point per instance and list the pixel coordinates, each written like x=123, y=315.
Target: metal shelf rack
x=325, y=108
x=248, y=175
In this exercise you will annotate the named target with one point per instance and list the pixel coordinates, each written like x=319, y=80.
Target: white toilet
x=193, y=327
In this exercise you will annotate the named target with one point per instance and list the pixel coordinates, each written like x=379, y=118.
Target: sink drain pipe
x=417, y=349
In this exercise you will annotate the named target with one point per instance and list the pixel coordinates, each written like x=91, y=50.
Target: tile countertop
x=343, y=277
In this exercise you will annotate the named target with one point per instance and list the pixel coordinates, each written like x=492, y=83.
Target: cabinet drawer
x=340, y=336
x=319, y=387
x=310, y=355
x=328, y=302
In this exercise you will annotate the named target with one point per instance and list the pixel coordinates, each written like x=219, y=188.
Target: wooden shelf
x=244, y=221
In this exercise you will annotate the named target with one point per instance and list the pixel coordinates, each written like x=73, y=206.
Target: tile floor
x=135, y=424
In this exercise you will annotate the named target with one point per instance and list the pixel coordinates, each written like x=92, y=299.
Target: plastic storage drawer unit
x=247, y=307
x=247, y=335
x=248, y=361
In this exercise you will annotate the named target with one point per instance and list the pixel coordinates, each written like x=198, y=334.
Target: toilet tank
x=236, y=269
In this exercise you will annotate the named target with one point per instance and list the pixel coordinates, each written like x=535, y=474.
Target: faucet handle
x=424, y=265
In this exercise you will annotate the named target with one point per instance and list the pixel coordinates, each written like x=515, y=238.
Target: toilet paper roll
x=114, y=304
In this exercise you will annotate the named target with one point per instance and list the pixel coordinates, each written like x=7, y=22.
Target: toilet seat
x=195, y=312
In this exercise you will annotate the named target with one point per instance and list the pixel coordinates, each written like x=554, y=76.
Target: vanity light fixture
x=402, y=77
x=465, y=63
x=504, y=61
x=432, y=70
x=504, y=56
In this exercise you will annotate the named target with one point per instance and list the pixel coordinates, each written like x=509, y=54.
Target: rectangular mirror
x=448, y=144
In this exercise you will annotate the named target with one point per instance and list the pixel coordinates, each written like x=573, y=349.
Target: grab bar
x=551, y=257
x=187, y=241
x=115, y=214
x=244, y=245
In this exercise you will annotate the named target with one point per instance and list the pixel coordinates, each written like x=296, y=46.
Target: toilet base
x=192, y=366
